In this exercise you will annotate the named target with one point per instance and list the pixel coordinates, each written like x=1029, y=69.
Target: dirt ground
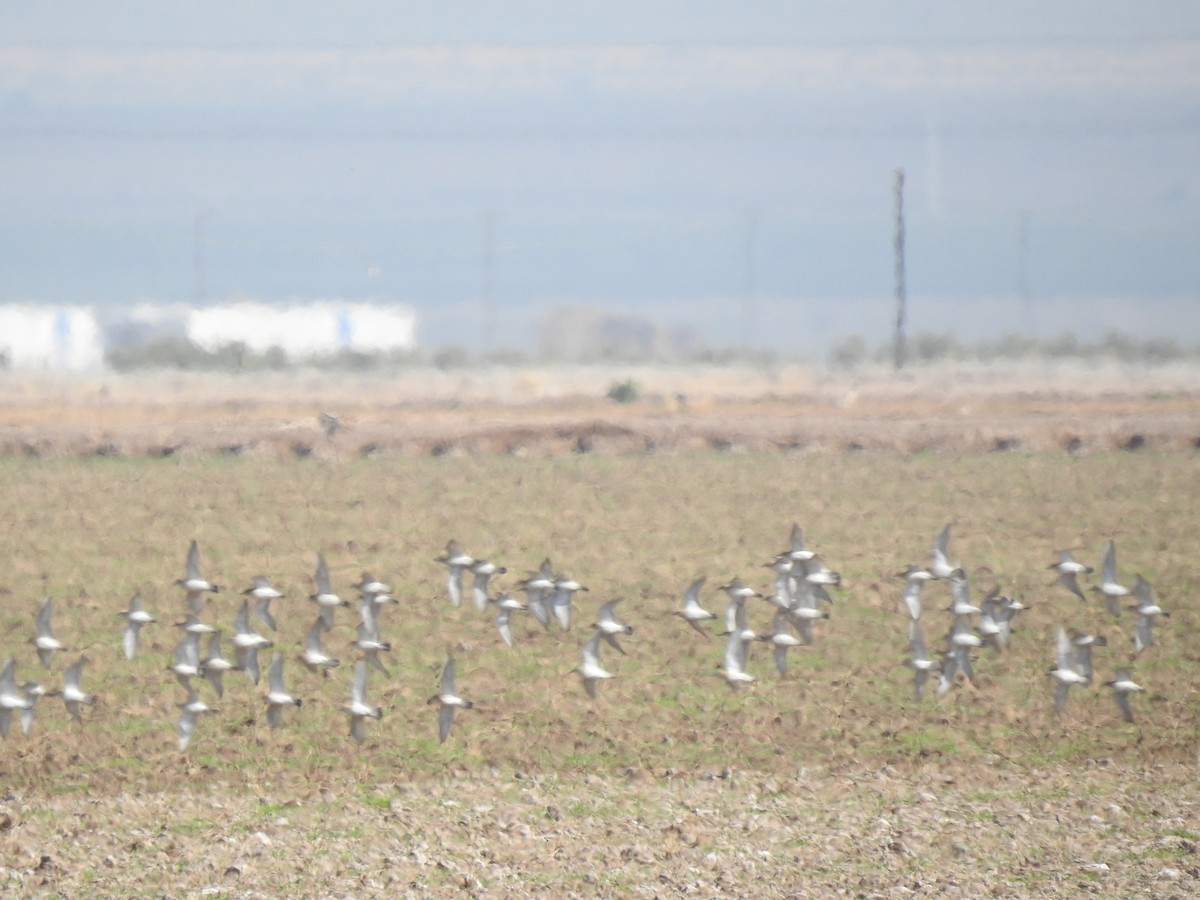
x=931, y=828
x=541, y=412
x=934, y=830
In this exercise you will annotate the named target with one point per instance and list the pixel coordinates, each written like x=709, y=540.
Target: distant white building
x=53, y=339
x=304, y=330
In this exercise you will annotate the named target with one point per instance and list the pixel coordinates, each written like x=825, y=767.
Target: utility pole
x=901, y=289
x=749, y=325
x=198, y=251
x=1023, y=270
x=488, y=293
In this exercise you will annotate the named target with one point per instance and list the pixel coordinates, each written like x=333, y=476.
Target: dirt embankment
x=546, y=412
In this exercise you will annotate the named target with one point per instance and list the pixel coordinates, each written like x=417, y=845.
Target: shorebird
x=194, y=582
x=448, y=700
x=193, y=625
x=372, y=586
x=247, y=642
x=735, y=613
x=327, y=601
x=816, y=572
x=996, y=617
x=609, y=627
x=507, y=605
x=782, y=567
x=920, y=662
x=369, y=643
x=961, y=640
x=32, y=691
x=214, y=666
x=277, y=695
x=589, y=668
x=45, y=641
x=135, y=618
x=1083, y=644
x=73, y=696
x=1066, y=672
x=736, y=623
x=1122, y=686
x=736, y=588
x=186, y=660
x=796, y=548
x=538, y=588
x=960, y=591
x=1109, y=588
x=564, y=589
x=313, y=657
x=191, y=710
x=360, y=709
x=370, y=605
x=483, y=570
x=693, y=613
x=12, y=698
x=733, y=667
x=912, y=597
x=780, y=639
x=1147, y=611
x=456, y=561
x=263, y=594
x=806, y=610
x=915, y=573
x=1068, y=569
x=941, y=567
x=993, y=626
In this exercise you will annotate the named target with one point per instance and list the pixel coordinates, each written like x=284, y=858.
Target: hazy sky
x=724, y=165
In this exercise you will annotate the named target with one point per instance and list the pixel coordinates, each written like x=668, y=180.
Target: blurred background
x=530, y=180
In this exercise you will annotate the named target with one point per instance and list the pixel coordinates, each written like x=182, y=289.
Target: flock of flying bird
x=189, y=665
x=800, y=595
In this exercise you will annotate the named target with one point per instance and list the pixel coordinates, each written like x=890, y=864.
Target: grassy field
x=831, y=778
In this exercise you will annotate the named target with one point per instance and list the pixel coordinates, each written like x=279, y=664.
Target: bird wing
x=1142, y=592
x=186, y=728
x=1065, y=658
x=322, y=576
x=130, y=640
x=1122, y=699
x=262, y=609
x=503, y=625
x=611, y=640
x=250, y=664
x=1143, y=633
x=1108, y=569
x=942, y=544
x=562, y=608
x=781, y=658
x=358, y=687
x=43, y=618
x=591, y=651
x=445, y=720
x=1067, y=580
x=912, y=598
x=193, y=562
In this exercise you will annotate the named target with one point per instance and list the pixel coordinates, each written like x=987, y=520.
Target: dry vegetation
x=831, y=779
x=549, y=412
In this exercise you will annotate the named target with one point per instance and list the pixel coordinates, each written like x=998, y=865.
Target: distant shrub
x=625, y=391
x=848, y=353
